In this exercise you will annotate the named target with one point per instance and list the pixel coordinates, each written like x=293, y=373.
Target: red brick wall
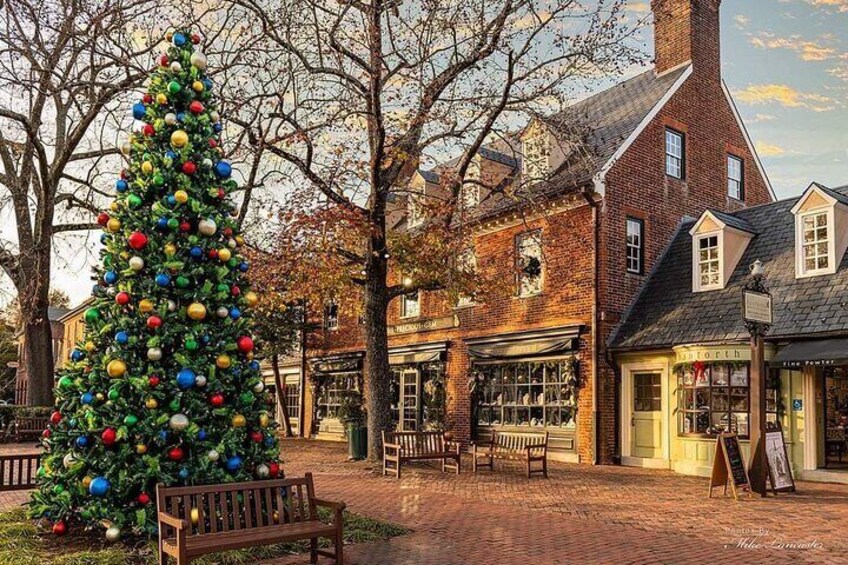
x=687, y=30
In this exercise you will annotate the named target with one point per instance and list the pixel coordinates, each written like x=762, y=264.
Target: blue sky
x=786, y=63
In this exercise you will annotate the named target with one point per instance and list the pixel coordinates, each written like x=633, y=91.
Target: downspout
x=588, y=195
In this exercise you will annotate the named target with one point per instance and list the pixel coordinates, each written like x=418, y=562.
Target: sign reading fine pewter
x=757, y=307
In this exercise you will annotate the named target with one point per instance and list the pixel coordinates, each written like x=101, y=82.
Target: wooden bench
x=18, y=472
x=513, y=446
x=198, y=520
x=29, y=428
x=401, y=447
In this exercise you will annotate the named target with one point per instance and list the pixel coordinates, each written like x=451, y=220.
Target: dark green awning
x=812, y=353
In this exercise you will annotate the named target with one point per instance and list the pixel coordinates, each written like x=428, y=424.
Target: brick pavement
x=581, y=514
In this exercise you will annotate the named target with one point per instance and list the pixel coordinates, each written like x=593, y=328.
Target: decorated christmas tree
x=165, y=386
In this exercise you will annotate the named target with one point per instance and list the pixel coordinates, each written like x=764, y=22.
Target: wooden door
x=410, y=397
x=646, y=422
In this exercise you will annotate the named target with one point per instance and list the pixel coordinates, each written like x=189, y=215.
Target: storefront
x=329, y=379
x=291, y=376
x=527, y=381
x=418, y=386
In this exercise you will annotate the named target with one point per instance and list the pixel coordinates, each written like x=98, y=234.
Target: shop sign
x=690, y=354
x=424, y=325
x=757, y=307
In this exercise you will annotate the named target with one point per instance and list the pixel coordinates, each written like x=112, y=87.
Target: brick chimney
x=687, y=30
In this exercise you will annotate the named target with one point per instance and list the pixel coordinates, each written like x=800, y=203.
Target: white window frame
x=406, y=301
x=469, y=192
x=414, y=210
x=520, y=287
x=740, y=188
x=800, y=259
x=671, y=133
x=697, y=285
x=466, y=260
x=536, y=157
x=639, y=246
x=331, y=323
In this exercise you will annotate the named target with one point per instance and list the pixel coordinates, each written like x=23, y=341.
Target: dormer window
x=718, y=242
x=536, y=152
x=821, y=231
x=414, y=210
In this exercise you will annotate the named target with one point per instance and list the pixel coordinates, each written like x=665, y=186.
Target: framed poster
x=780, y=472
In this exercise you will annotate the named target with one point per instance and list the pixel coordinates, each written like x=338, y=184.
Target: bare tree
x=354, y=96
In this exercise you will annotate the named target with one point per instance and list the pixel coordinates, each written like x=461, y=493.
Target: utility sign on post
x=757, y=307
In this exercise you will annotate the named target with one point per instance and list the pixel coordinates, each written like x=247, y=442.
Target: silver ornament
x=170, y=118
x=126, y=148
x=176, y=66
x=198, y=59
x=69, y=460
x=200, y=380
x=231, y=243
x=113, y=533
x=172, y=306
x=212, y=455
x=178, y=422
x=207, y=227
x=262, y=471
x=207, y=163
x=222, y=312
x=154, y=354
x=136, y=263
x=214, y=116
x=258, y=387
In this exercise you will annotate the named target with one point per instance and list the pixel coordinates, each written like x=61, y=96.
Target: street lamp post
x=757, y=313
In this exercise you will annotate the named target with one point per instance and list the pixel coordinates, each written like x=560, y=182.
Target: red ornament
x=147, y=98
x=235, y=290
x=195, y=38
x=185, y=226
x=163, y=60
x=60, y=528
x=213, y=143
x=189, y=168
x=153, y=381
x=46, y=433
x=154, y=322
x=228, y=232
x=213, y=253
x=122, y=298
x=195, y=107
x=256, y=436
x=245, y=344
x=102, y=218
x=216, y=399
x=55, y=417
x=221, y=193
x=137, y=240
x=273, y=469
x=109, y=436
x=176, y=454
x=143, y=498
x=148, y=130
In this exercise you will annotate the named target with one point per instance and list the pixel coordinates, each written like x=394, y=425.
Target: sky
x=786, y=63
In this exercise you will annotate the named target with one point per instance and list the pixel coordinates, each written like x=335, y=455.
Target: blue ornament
x=186, y=379
x=162, y=279
x=196, y=252
x=206, y=339
x=243, y=266
x=269, y=441
x=170, y=154
x=99, y=486
x=183, y=473
x=207, y=83
x=139, y=110
x=181, y=116
x=235, y=370
x=72, y=422
x=87, y=398
x=82, y=441
x=223, y=169
x=201, y=435
x=179, y=39
x=121, y=185
x=104, y=238
x=162, y=224
x=122, y=337
x=233, y=463
x=110, y=277
x=77, y=355
x=254, y=365
x=217, y=127
x=96, y=290
x=163, y=435
x=171, y=200
x=235, y=313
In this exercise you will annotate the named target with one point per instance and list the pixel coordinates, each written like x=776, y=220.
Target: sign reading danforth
x=757, y=307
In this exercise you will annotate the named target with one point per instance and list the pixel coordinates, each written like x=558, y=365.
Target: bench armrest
x=172, y=521
x=536, y=446
x=329, y=504
x=394, y=446
x=455, y=446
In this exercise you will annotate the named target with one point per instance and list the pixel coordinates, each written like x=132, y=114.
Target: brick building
x=662, y=145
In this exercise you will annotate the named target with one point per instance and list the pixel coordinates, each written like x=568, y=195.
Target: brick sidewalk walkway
x=581, y=514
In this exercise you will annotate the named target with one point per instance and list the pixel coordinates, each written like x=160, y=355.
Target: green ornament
x=232, y=262
x=174, y=87
x=191, y=344
x=66, y=382
x=131, y=420
x=222, y=288
x=58, y=489
x=158, y=180
x=247, y=398
x=173, y=223
x=134, y=200
x=175, y=404
x=192, y=239
x=92, y=315
x=114, y=394
x=182, y=282
x=86, y=514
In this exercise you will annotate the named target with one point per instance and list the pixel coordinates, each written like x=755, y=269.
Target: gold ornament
x=161, y=98
x=170, y=249
x=195, y=515
x=116, y=368
x=151, y=403
x=223, y=361
x=89, y=346
x=99, y=396
x=251, y=298
x=239, y=240
x=264, y=420
x=145, y=306
x=181, y=196
x=197, y=86
x=239, y=421
x=115, y=206
x=224, y=254
x=86, y=480
x=147, y=167
x=196, y=311
x=113, y=225
x=141, y=449
x=179, y=138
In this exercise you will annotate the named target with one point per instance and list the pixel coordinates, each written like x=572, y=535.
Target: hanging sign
x=780, y=473
x=757, y=307
x=729, y=466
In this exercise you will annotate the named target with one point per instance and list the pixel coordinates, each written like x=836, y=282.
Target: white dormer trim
x=536, y=133
x=731, y=244
x=816, y=202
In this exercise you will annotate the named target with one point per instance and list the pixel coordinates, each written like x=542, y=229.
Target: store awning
x=534, y=343
x=338, y=363
x=811, y=353
x=420, y=353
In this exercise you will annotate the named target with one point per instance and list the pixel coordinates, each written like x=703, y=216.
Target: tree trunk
x=377, y=380
x=281, y=394
x=39, y=343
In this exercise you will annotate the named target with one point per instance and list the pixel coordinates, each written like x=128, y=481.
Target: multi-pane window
x=331, y=316
x=709, y=263
x=330, y=394
x=536, y=157
x=816, y=241
x=713, y=399
x=635, y=245
x=529, y=264
x=674, y=154
x=410, y=305
x=292, y=399
x=526, y=394
x=467, y=263
x=735, y=175
x=414, y=210
x=647, y=393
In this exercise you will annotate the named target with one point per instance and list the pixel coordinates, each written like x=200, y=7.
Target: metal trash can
x=357, y=441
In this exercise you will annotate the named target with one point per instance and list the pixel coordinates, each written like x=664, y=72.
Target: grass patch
x=22, y=542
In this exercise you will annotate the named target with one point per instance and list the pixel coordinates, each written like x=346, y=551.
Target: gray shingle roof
x=429, y=176
x=734, y=222
x=668, y=313
x=56, y=312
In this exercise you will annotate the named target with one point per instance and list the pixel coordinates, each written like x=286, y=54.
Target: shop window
x=715, y=398
x=410, y=305
x=331, y=391
x=735, y=178
x=331, y=316
x=709, y=262
x=635, y=246
x=531, y=394
x=529, y=263
x=418, y=396
x=815, y=242
x=293, y=399
x=675, y=163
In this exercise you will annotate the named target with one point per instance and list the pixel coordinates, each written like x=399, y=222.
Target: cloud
x=806, y=50
x=786, y=96
x=741, y=21
x=641, y=7
x=840, y=71
x=758, y=118
x=839, y=5
x=769, y=150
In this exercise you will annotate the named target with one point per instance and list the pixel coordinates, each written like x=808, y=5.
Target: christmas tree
x=165, y=386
